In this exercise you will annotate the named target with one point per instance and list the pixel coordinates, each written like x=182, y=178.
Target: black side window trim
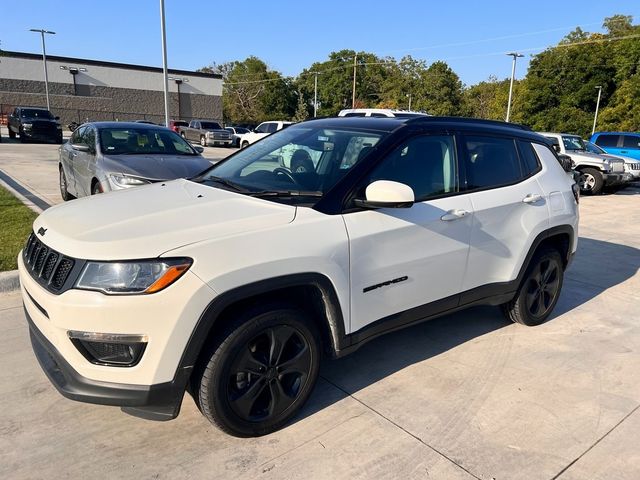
x=463, y=145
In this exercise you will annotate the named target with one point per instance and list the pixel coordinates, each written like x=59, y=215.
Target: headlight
x=126, y=181
x=27, y=126
x=131, y=277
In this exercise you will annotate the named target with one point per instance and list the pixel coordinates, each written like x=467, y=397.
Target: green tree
x=253, y=93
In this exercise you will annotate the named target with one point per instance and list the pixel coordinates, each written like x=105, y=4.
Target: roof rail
x=497, y=123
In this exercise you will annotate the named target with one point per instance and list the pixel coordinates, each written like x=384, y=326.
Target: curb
x=9, y=281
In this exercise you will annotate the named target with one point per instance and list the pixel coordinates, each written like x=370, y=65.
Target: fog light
x=109, y=349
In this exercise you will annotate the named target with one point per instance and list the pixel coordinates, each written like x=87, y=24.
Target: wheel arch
x=311, y=292
x=559, y=237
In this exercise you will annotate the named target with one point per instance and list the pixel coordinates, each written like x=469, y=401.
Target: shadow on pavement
x=391, y=353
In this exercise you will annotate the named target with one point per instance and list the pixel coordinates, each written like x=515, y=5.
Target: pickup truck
x=34, y=123
x=207, y=133
x=595, y=171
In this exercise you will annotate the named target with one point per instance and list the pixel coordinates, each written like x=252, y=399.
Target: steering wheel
x=286, y=173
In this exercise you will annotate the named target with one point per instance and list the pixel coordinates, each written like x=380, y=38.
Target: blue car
x=619, y=143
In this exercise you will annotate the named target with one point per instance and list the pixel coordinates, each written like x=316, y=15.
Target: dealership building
x=91, y=90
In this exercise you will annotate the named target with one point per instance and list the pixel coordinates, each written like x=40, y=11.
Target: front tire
x=539, y=291
x=64, y=187
x=203, y=141
x=12, y=134
x=261, y=373
x=244, y=144
x=96, y=188
x=590, y=181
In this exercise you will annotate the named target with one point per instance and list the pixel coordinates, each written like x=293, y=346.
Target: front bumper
x=614, y=178
x=154, y=402
x=212, y=142
x=44, y=136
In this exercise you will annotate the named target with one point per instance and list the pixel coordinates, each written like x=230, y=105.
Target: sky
x=471, y=36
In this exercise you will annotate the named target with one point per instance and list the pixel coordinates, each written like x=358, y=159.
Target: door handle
x=454, y=215
x=624, y=151
x=532, y=198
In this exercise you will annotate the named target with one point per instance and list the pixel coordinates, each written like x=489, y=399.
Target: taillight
x=576, y=192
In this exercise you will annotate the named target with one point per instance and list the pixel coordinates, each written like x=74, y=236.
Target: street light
x=315, y=95
x=595, y=118
x=513, y=74
x=44, y=61
x=409, y=95
x=165, y=73
x=353, y=96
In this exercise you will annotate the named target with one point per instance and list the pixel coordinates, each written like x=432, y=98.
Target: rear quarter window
x=631, y=141
x=530, y=161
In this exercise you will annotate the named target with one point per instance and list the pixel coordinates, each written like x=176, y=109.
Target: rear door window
x=607, y=140
x=491, y=162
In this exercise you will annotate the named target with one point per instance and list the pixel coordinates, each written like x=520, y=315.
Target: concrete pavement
x=464, y=396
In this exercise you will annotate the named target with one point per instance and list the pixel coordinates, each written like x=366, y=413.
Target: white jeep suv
x=233, y=284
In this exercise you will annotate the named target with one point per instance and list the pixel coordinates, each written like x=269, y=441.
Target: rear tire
x=539, y=290
x=261, y=371
x=590, y=181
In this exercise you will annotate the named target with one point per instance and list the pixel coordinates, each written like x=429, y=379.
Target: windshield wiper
x=286, y=193
x=226, y=183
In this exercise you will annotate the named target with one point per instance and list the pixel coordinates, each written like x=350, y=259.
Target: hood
x=147, y=221
x=620, y=157
x=156, y=167
x=588, y=156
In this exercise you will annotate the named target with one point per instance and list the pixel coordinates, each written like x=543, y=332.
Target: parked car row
x=596, y=167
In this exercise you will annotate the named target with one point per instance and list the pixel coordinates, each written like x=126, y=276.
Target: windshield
x=296, y=166
x=572, y=142
x=593, y=148
x=33, y=113
x=210, y=126
x=143, y=141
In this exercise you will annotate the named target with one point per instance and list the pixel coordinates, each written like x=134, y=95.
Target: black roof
x=388, y=124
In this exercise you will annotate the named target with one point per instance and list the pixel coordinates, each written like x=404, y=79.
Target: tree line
x=558, y=93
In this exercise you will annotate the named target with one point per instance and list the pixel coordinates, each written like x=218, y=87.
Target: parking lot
x=35, y=167
x=468, y=395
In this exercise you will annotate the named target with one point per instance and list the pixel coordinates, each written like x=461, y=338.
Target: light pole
x=165, y=74
x=315, y=95
x=595, y=118
x=353, y=95
x=409, y=95
x=44, y=61
x=515, y=55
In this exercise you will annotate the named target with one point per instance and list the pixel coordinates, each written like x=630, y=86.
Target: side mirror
x=556, y=147
x=566, y=162
x=80, y=147
x=387, y=194
x=198, y=149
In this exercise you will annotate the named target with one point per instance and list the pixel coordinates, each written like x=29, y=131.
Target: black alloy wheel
x=261, y=373
x=268, y=373
x=539, y=291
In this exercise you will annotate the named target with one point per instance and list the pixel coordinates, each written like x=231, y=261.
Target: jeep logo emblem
x=42, y=231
